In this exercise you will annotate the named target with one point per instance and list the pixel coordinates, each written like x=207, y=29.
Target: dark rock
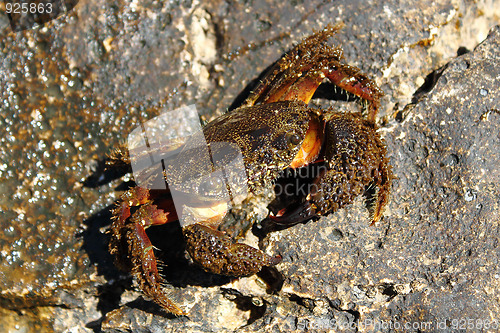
x=72, y=90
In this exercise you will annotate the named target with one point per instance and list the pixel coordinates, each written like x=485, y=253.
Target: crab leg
x=145, y=269
x=298, y=74
x=302, y=89
x=287, y=85
x=117, y=245
x=352, y=80
x=129, y=237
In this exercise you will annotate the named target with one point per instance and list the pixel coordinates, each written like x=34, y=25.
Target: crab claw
x=218, y=253
x=289, y=217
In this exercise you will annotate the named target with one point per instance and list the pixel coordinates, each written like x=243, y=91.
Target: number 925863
x=28, y=8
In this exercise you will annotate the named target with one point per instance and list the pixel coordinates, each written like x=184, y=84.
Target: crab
x=275, y=130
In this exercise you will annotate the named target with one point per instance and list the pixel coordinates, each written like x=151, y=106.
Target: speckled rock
x=434, y=258
x=75, y=88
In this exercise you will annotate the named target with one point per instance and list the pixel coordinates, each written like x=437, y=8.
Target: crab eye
x=293, y=139
x=211, y=186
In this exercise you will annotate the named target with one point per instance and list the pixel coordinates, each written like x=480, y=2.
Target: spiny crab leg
x=129, y=237
x=298, y=74
x=212, y=249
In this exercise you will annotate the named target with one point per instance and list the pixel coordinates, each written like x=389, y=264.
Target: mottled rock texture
x=74, y=88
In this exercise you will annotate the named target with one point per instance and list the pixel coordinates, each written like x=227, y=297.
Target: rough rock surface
x=73, y=89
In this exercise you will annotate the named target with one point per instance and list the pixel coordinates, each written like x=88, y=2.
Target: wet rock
x=434, y=257
x=75, y=88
